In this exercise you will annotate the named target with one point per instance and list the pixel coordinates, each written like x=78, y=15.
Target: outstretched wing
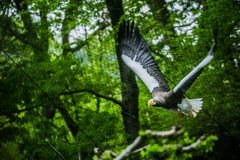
x=187, y=81
x=136, y=55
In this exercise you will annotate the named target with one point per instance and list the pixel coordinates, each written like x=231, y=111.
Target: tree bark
x=69, y=121
x=130, y=92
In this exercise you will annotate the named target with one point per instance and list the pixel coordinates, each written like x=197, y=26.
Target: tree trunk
x=130, y=92
x=69, y=121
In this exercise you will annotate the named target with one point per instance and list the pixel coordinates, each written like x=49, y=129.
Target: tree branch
x=231, y=28
x=140, y=139
x=96, y=151
x=58, y=153
x=173, y=132
x=124, y=154
x=140, y=149
x=194, y=145
x=82, y=43
x=21, y=110
x=98, y=103
x=19, y=37
x=79, y=156
x=95, y=93
x=98, y=13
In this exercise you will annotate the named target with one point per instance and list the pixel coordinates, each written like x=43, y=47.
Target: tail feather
x=196, y=105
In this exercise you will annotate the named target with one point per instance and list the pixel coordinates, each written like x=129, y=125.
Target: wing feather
x=136, y=55
x=188, y=80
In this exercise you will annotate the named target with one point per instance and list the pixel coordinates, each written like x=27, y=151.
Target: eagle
x=137, y=56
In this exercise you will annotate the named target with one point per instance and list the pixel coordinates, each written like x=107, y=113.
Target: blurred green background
x=61, y=77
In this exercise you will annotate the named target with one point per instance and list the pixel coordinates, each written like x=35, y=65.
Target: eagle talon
x=191, y=115
x=180, y=114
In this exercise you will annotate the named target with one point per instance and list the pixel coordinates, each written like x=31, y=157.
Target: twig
x=231, y=29
x=97, y=13
x=194, y=145
x=173, y=132
x=79, y=156
x=140, y=139
x=24, y=72
x=81, y=43
x=109, y=152
x=95, y=93
x=124, y=154
x=54, y=149
x=21, y=110
x=140, y=149
x=97, y=152
x=113, y=154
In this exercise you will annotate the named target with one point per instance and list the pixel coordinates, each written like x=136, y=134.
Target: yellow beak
x=150, y=102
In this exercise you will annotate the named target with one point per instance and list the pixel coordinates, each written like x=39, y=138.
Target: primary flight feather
x=136, y=55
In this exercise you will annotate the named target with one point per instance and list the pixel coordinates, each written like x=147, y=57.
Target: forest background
x=62, y=78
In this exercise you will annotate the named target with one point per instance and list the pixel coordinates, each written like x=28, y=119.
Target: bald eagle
x=138, y=58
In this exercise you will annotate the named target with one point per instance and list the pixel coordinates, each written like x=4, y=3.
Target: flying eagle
x=136, y=55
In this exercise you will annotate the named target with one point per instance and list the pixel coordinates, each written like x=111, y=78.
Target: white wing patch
x=142, y=73
x=201, y=65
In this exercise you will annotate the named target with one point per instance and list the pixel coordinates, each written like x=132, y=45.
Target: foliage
x=169, y=149
x=172, y=144
x=59, y=76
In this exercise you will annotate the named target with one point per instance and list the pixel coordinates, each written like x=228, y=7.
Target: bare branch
x=140, y=149
x=173, y=132
x=95, y=93
x=96, y=151
x=124, y=154
x=54, y=149
x=231, y=28
x=194, y=145
x=21, y=110
x=140, y=139
x=98, y=103
x=79, y=156
x=82, y=43
x=113, y=154
x=109, y=152
x=98, y=13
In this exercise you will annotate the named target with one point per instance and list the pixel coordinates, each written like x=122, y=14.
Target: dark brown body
x=166, y=100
